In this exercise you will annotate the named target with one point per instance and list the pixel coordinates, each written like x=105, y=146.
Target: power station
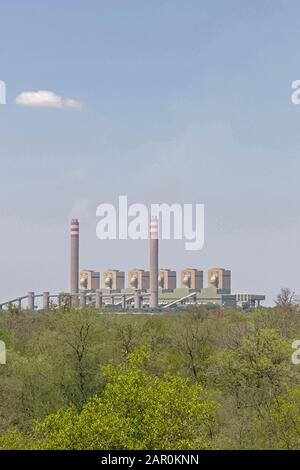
x=154, y=289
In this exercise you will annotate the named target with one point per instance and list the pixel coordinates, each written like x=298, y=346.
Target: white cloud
x=45, y=99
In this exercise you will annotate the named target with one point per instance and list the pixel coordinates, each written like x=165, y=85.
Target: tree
x=257, y=372
x=285, y=297
x=282, y=423
x=73, y=343
x=88, y=382
x=249, y=379
x=193, y=341
x=135, y=411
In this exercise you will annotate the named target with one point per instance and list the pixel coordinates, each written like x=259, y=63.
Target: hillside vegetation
x=200, y=379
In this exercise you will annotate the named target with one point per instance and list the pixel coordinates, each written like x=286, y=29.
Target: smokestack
x=74, y=265
x=153, y=262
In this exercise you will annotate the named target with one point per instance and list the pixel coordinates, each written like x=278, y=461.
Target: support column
x=137, y=300
x=30, y=300
x=124, y=302
x=82, y=300
x=98, y=300
x=74, y=301
x=46, y=300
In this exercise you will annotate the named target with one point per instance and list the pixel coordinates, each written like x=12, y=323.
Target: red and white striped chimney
x=74, y=264
x=153, y=229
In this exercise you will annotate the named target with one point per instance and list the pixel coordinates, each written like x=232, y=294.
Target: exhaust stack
x=153, y=262
x=74, y=264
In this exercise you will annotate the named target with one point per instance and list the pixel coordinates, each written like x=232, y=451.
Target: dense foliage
x=200, y=379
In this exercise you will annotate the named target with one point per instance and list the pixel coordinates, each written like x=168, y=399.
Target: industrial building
x=156, y=287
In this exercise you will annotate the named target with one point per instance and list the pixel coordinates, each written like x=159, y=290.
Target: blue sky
x=181, y=102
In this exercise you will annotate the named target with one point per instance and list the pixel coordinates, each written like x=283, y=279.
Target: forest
x=202, y=378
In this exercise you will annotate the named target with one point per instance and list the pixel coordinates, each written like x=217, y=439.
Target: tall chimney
x=153, y=262
x=74, y=265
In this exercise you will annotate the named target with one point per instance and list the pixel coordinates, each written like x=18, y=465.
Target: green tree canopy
x=135, y=411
